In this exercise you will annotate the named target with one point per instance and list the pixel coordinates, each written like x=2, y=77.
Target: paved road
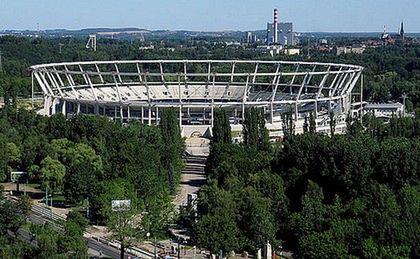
x=40, y=215
x=95, y=248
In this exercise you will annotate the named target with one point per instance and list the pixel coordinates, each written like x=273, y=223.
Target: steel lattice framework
x=128, y=90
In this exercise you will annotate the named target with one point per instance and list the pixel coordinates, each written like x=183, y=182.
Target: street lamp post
x=154, y=244
x=179, y=250
x=404, y=97
x=154, y=248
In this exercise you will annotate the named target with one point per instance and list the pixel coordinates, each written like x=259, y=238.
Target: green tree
x=254, y=130
x=321, y=245
x=409, y=227
x=288, y=124
x=124, y=225
x=306, y=125
x=250, y=127
x=73, y=242
x=83, y=168
x=13, y=215
x=333, y=122
x=312, y=123
x=221, y=127
x=381, y=218
x=174, y=146
x=272, y=186
x=372, y=250
x=52, y=174
x=24, y=206
x=14, y=155
x=159, y=214
x=216, y=228
x=4, y=159
x=106, y=192
x=47, y=241
x=257, y=220
x=312, y=216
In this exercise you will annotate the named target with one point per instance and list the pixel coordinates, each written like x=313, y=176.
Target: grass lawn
x=34, y=185
x=59, y=197
x=235, y=134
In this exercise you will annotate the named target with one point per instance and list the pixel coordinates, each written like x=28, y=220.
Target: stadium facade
x=136, y=90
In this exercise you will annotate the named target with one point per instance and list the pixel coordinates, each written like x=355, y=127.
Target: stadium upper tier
x=96, y=86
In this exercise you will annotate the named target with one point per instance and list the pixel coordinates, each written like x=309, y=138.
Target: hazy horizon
x=217, y=15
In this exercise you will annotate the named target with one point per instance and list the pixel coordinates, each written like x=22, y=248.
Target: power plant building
x=280, y=33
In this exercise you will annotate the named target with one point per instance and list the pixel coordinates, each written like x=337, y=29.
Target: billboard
x=18, y=177
x=121, y=205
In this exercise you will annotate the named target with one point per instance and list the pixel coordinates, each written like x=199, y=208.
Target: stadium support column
x=244, y=98
x=128, y=113
x=32, y=90
x=180, y=102
x=361, y=96
x=142, y=114
x=212, y=99
x=53, y=106
x=212, y=115
x=157, y=116
x=180, y=117
x=47, y=105
x=272, y=112
x=63, y=107
x=96, y=108
x=150, y=115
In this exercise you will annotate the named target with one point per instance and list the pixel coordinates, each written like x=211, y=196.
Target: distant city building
x=250, y=37
x=356, y=49
x=280, y=33
x=387, y=38
x=402, y=33
x=323, y=41
x=150, y=47
x=273, y=50
x=291, y=52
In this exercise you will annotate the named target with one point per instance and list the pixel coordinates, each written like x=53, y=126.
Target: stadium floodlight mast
x=136, y=89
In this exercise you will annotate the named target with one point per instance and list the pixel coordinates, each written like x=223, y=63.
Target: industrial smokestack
x=276, y=26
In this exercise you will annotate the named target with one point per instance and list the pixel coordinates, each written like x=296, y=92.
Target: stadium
x=136, y=90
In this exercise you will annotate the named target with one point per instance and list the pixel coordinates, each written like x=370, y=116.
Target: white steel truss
x=137, y=89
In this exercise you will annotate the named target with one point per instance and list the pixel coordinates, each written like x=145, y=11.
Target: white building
x=385, y=110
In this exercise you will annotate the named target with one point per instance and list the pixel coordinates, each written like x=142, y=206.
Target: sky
x=211, y=15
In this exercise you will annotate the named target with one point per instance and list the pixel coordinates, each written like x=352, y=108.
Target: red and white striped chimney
x=276, y=25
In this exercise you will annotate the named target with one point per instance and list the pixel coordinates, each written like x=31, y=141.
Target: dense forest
x=91, y=161
x=345, y=196
x=390, y=70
